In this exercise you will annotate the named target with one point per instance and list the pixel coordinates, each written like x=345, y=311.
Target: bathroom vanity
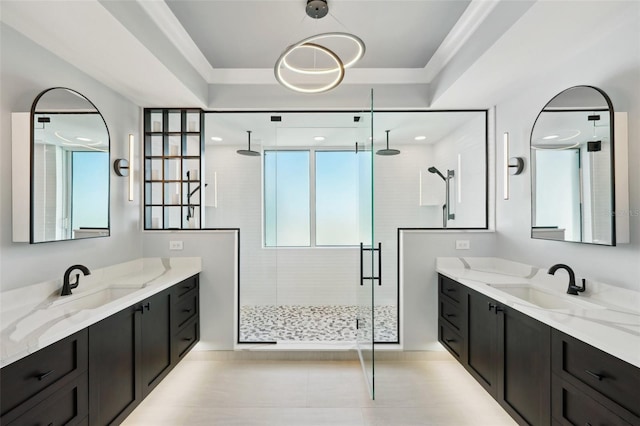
x=546, y=357
x=123, y=333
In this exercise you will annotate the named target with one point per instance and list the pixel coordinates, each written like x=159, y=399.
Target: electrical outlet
x=462, y=245
x=175, y=245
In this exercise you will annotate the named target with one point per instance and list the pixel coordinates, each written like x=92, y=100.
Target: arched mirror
x=69, y=168
x=572, y=168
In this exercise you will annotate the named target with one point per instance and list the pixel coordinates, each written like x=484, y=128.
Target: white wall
x=611, y=63
x=26, y=70
x=218, y=251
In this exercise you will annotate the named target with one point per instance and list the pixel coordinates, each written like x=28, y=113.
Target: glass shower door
x=369, y=252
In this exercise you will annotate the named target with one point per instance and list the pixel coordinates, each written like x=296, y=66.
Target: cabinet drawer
x=185, y=309
x=570, y=406
x=184, y=287
x=609, y=376
x=186, y=338
x=451, y=314
x=450, y=288
x=449, y=338
x=69, y=405
x=25, y=378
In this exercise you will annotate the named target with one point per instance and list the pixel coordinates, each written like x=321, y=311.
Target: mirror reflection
x=572, y=168
x=70, y=168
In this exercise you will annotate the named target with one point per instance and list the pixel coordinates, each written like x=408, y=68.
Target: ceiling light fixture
x=318, y=138
x=308, y=78
x=420, y=138
x=216, y=138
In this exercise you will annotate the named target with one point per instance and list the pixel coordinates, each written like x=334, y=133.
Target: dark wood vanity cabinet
x=114, y=367
x=507, y=352
x=47, y=387
x=100, y=374
x=155, y=348
x=185, y=324
x=452, y=317
x=482, y=341
x=524, y=367
x=132, y=351
x=591, y=386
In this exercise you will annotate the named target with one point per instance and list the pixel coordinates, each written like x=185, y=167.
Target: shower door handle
x=379, y=263
x=361, y=264
x=379, y=276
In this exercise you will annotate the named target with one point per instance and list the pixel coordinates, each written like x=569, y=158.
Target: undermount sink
x=544, y=299
x=94, y=299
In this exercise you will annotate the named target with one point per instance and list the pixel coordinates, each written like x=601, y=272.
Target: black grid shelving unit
x=173, y=168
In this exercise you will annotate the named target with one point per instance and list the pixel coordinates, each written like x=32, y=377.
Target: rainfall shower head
x=248, y=151
x=387, y=150
x=436, y=171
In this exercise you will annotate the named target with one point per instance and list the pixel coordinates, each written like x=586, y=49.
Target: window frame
x=312, y=198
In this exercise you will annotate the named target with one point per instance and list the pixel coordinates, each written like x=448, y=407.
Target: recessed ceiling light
x=550, y=137
x=420, y=138
x=216, y=138
x=318, y=138
x=83, y=139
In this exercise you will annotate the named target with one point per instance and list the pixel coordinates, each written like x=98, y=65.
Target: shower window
x=336, y=180
x=286, y=199
x=310, y=203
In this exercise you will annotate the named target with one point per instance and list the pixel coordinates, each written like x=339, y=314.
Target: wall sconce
x=512, y=165
x=123, y=167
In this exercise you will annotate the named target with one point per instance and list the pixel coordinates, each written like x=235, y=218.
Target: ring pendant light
x=317, y=9
x=339, y=68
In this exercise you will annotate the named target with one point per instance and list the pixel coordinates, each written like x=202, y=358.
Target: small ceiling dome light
x=309, y=66
x=387, y=150
x=248, y=151
x=318, y=138
x=216, y=138
x=420, y=138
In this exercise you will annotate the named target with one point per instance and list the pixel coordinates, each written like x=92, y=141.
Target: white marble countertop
x=604, y=316
x=35, y=316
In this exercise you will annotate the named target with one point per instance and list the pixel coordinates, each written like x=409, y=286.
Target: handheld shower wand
x=436, y=171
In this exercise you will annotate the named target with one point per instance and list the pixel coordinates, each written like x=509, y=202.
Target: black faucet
x=573, y=288
x=66, y=287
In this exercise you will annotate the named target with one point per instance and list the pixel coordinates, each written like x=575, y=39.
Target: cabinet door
x=524, y=367
x=156, y=340
x=481, y=340
x=114, y=360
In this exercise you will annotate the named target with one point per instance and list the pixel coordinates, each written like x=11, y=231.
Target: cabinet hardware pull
x=187, y=310
x=595, y=375
x=148, y=306
x=498, y=309
x=139, y=309
x=45, y=375
x=187, y=339
x=449, y=340
x=451, y=289
x=491, y=306
x=186, y=287
x=451, y=315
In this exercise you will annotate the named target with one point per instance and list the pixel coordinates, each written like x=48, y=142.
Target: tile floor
x=206, y=391
x=322, y=323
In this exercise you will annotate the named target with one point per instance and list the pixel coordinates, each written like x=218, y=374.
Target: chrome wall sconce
x=122, y=166
x=512, y=165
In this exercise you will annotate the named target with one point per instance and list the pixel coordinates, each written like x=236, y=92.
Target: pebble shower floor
x=266, y=323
